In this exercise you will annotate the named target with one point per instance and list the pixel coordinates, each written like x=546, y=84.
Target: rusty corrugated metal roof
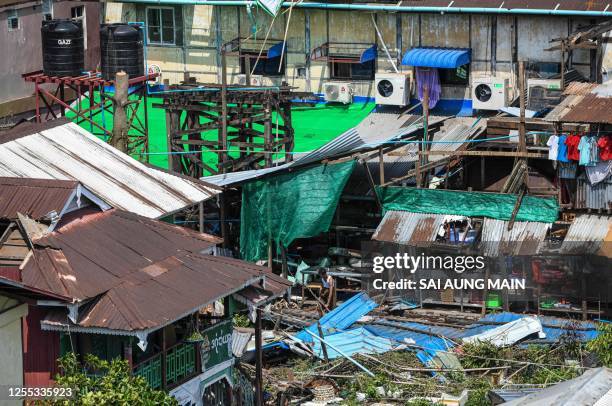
x=407, y=228
x=66, y=151
x=584, y=103
x=166, y=291
x=525, y=237
x=91, y=252
x=579, y=88
x=586, y=234
x=33, y=197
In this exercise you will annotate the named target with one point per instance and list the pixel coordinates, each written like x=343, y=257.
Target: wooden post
x=381, y=166
x=522, y=141
x=421, y=145
x=258, y=361
x=485, y=291
x=247, y=70
x=585, y=313
x=268, y=133
x=562, y=64
x=201, y=216
x=119, y=139
x=127, y=354
x=223, y=134
x=285, y=266
x=323, y=346
x=163, y=359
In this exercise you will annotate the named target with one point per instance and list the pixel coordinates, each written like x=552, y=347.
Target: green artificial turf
x=313, y=126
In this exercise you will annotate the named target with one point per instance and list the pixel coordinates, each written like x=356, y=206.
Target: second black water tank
x=63, y=48
x=122, y=50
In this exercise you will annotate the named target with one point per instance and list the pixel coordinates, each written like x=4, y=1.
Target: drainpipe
x=390, y=8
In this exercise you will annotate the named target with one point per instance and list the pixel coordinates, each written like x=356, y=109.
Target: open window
x=264, y=58
x=455, y=76
x=348, y=61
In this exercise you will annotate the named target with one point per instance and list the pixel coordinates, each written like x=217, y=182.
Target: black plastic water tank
x=122, y=50
x=63, y=48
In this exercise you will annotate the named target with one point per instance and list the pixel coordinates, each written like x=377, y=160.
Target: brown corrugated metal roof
x=91, y=252
x=577, y=5
x=591, y=109
x=168, y=290
x=33, y=197
x=403, y=227
x=579, y=88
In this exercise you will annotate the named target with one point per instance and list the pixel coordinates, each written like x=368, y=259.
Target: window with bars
x=160, y=25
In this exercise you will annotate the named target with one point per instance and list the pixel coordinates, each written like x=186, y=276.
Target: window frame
x=13, y=15
x=464, y=82
x=161, y=26
x=262, y=64
x=351, y=77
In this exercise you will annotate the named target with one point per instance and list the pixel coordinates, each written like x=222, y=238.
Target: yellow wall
x=11, y=351
x=199, y=55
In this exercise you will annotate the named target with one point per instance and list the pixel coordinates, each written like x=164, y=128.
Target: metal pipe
x=390, y=8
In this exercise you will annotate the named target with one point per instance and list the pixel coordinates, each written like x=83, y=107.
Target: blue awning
x=275, y=50
x=368, y=55
x=446, y=58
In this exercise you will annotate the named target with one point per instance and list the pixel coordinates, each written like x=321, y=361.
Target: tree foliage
x=99, y=382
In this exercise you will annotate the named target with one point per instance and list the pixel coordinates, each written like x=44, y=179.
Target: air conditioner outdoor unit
x=256, y=80
x=489, y=93
x=543, y=93
x=392, y=89
x=339, y=92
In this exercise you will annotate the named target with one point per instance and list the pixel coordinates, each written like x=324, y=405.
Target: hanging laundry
x=428, y=77
x=562, y=149
x=599, y=172
x=585, y=151
x=572, y=147
x=605, y=147
x=594, y=150
x=553, y=147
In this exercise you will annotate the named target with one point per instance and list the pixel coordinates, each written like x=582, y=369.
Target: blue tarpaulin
x=341, y=318
x=368, y=55
x=446, y=58
x=275, y=50
x=355, y=341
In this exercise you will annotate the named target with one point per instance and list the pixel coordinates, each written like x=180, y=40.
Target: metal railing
x=180, y=364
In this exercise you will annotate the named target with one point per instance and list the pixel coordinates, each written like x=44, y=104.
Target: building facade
x=192, y=37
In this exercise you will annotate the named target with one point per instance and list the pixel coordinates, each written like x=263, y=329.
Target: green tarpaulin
x=292, y=205
x=470, y=204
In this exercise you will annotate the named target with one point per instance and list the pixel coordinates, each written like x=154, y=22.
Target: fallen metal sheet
x=427, y=346
x=354, y=341
x=554, y=328
x=509, y=333
x=340, y=318
x=586, y=234
x=525, y=237
x=69, y=152
x=593, y=387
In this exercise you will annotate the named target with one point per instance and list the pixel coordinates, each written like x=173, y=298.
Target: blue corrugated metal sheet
x=554, y=327
x=341, y=318
x=428, y=345
x=447, y=58
x=355, y=341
